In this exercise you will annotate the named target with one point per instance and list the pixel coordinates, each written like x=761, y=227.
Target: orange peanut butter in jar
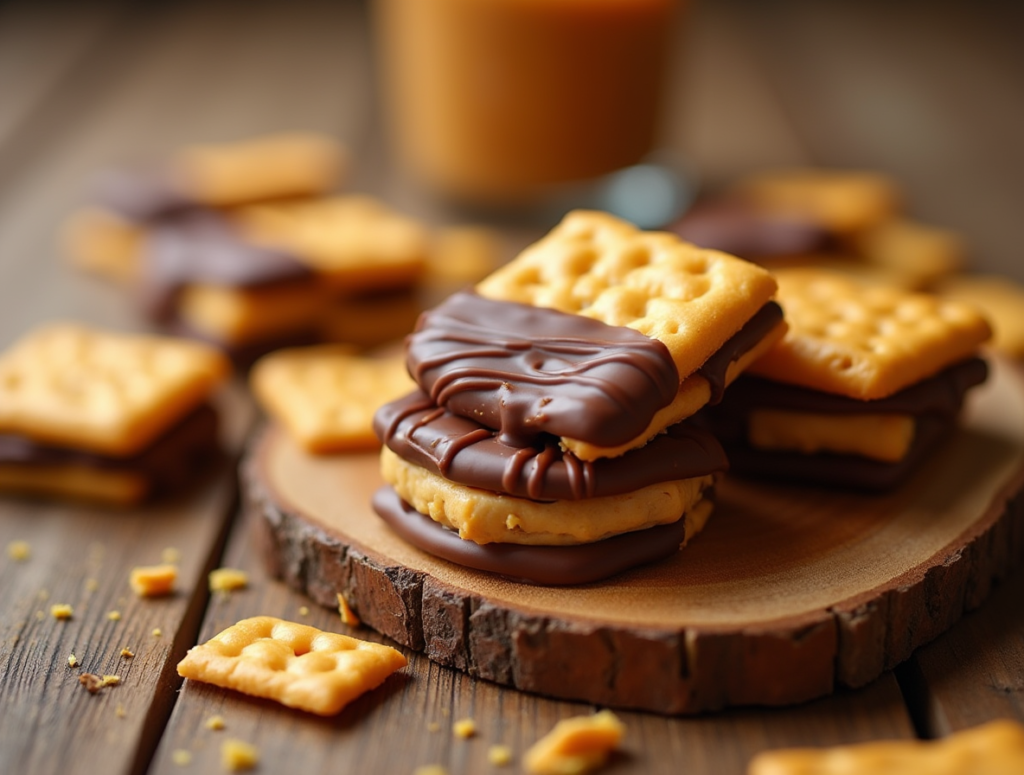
x=499, y=100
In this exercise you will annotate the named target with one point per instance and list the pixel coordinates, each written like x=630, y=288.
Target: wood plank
x=390, y=729
x=929, y=92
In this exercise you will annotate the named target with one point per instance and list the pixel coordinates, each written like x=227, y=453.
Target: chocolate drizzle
x=524, y=370
x=544, y=565
x=467, y=453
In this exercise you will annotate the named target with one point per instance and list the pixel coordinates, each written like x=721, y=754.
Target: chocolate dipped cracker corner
x=545, y=441
x=106, y=417
x=866, y=383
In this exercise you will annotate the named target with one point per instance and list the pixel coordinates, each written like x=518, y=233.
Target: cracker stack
x=244, y=245
x=863, y=386
x=103, y=416
x=546, y=440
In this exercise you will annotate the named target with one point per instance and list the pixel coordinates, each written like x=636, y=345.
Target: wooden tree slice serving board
x=787, y=594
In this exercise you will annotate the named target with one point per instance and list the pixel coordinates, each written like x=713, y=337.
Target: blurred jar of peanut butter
x=500, y=101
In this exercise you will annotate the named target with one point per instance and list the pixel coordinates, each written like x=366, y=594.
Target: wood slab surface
x=788, y=592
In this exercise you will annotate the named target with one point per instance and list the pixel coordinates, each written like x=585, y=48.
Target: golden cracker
x=577, y=745
x=325, y=396
x=294, y=664
x=593, y=264
x=865, y=342
x=1000, y=299
x=240, y=316
x=100, y=241
x=843, y=201
x=485, y=517
x=269, y=167
x=995, y=748
x=355, y=242
x=113, y=393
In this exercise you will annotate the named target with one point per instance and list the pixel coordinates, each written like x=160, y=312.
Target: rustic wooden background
x=930, y=92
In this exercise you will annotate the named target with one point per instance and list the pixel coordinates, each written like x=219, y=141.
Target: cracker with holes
x=865, y=383
x=294, y=664
x=325, y=396
x=104, y=416
x=545, y=440
x=996, y=747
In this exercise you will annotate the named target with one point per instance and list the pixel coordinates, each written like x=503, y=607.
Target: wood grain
x=407, y=722
x=787, y=593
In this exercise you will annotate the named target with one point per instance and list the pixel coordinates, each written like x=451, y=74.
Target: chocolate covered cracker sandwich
x=546, y=441
x=863, y=386
x=107, y=417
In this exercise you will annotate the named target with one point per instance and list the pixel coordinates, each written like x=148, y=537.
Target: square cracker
x=326, y=396
x=295, y=664
x=356, y=243
x=865, y=342
x=593, y=264
x=996, y=748
x=111, y=393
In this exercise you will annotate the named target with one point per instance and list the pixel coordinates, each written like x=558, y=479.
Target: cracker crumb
x=348, y=616
x=181, y=757
x=61, y=611
x=93, y=683
x=464, y=728
x=19, y=551
x=170, y=556
x=114, y=616
x=91, y=585
x=431, y=769
x=119, y=711
x=216, y=723
x=499, y=755
x=228, y=579
x=433, y=726
x=126, y=653
x=575, y=745
x=111, y=680
x=238, y=755
x=73, y=661
x=153, y=580
x=157, y=632
x=304, y=610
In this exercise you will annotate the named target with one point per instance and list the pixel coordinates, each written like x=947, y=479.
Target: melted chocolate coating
x=172, y=461
x=737, y=227
x=526, y=370
x=467, y=453
x=139, y=192
x=542, y=565
x=753, y=331
x=934, y=403
x=202, y=246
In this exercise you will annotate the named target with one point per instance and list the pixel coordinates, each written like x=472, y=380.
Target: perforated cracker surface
x=996, y=748
x=326, y=396
x=865, y=342
x=294, y=664
x=595, y=265
x=111, y=393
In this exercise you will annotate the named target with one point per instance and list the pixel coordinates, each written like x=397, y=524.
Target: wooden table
x=931, y=92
